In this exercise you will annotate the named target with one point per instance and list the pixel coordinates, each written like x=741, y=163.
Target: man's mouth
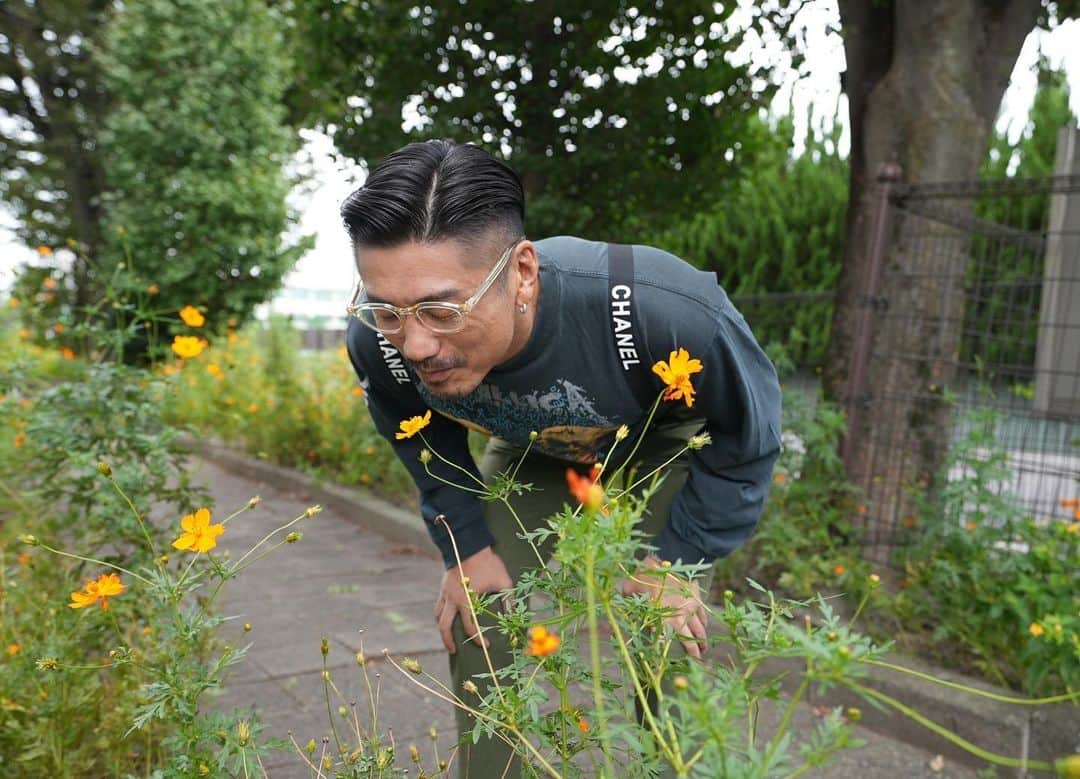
x=435, y=372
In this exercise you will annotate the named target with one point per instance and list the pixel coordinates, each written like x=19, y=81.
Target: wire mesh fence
x=977, y=322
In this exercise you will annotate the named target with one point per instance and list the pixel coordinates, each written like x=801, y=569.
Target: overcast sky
x=815, y=97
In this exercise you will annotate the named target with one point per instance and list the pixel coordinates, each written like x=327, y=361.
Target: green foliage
x=51, y=172
x=537, y=85
x=780, y=230
x=1000, y=584
x=195, y=149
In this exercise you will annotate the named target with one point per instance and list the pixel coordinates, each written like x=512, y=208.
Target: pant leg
x=493, y=757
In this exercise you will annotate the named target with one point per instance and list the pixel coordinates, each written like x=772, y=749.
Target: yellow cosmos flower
x=676, y=374
x=1036, y=629
x=192, y=316
x=187, y=346
x=215, y=370
x=413, y=425
x=199, y=535
x=98, y=590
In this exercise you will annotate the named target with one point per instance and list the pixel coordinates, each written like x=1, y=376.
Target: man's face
x=449, y=364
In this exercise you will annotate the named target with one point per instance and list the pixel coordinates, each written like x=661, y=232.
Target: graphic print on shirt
x=564, y=415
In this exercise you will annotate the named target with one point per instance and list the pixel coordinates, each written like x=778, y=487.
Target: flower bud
x=243, y=732
x=699, y=441
x=311, y=747
x=433, y=734
x=360, y=659
x=342, y=711
x=1068, y=767
x=425, y=456
x=874, y=580
x=533, y=435
x=293, y=537
x=729, y=595
x=469, y=686
x=622, y=433
x=853, y=714
x=326, y=676
x=28, y=539
x=254, y=502
x=681, y=683
x=313, y=511
x=47, y=663
x=247, y=627
x=324, y=647
x=411, y=665
x=414, y=753
x=104, y=469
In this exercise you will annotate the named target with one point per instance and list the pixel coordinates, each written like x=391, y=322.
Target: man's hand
x=486, y=572
x=690, y=616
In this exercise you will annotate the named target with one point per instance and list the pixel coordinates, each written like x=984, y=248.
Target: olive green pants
x=491, y=758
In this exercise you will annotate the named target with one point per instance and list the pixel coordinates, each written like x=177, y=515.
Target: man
x=459, y=312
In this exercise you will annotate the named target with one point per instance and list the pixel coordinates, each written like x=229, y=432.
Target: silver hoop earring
x=523, y=307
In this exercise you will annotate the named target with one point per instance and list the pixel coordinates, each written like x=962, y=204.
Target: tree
x=924, y=82
x=195, y=149
x=619, y=116
x=52, y=106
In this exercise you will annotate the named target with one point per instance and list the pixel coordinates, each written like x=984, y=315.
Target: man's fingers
x=697, y=630
x=446, y=628
x=439, y=606
x=471, y=632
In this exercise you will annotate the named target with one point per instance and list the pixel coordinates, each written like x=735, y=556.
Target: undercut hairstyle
x=433, y=191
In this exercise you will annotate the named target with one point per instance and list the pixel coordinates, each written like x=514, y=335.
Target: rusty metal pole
x=878, y=237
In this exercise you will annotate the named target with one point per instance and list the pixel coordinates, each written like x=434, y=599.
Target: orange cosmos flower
x=48, y=283
x=215, y=370
x=192, y=316
x=13, y=649
x=583, y=726
x=68, y=353
x=98, y=590
x=676, y=374
x=586, y=489
x=839, y=570
x=199, y=535
x=44, y=251
x=20, y=439
x=413, y=425
x=542, y=642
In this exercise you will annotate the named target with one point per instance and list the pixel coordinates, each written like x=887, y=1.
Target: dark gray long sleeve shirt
x=570, y=385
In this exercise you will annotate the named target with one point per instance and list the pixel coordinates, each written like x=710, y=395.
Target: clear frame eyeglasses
x=437, y=316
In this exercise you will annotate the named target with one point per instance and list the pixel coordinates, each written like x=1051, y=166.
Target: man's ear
x=528, y=270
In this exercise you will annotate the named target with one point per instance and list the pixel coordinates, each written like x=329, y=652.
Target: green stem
x=135, y=512
x=628, y=662
x=641, y=437
x=95, y=561
x=774, y=743
x=267, y=537
x=594, y=652
x=453, y=465
x=452, y=484
x=329, y=712
x=974, y=690
x=990, y=757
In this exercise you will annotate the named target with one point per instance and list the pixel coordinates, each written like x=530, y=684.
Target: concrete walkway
x=343, y=578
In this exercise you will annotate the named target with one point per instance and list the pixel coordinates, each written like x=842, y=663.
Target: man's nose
x=417, y=342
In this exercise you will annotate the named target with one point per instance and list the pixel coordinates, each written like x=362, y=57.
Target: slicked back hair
x=432, y=191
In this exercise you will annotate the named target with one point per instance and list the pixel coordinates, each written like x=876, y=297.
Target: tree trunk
x=924, y=83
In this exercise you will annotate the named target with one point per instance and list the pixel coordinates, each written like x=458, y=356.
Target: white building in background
x=308, y=307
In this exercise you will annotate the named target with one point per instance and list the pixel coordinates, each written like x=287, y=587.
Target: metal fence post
x=878, y=237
